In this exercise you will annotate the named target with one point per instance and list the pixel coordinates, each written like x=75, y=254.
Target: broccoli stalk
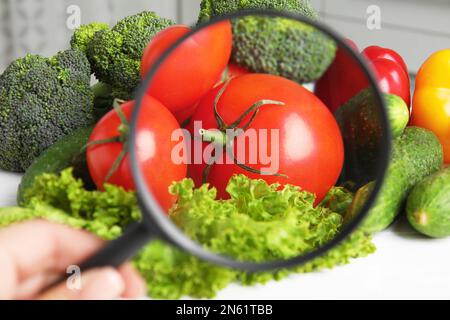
x=42, y=100
x=277, y=46
x=115, y=54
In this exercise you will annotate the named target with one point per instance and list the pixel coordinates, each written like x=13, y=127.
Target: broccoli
x=115, y=54
x=276, y=45
x=214, y=8
x=41, y=100
x=82, y=37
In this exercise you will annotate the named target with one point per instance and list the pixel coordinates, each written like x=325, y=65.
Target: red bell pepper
x=344, y=79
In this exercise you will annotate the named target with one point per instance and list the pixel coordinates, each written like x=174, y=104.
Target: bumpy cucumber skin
x=428, y=206
x=63, y=154
x=416, y=155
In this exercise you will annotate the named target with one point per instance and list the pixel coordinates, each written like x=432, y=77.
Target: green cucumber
x=360, y=120
x=416, y=155
x=428, y=206
x=67, y=152
x=398, y=113
x=368, y=110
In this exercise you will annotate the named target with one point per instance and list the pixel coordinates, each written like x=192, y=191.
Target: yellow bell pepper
x=431, y=102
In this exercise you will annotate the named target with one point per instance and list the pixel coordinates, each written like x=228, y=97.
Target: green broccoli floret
x=82, y=37
x=115, y=54
x=42, y=100
x=277, y=46
x=214, y=8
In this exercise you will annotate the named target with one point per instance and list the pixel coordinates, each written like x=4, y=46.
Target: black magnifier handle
x=116, y=252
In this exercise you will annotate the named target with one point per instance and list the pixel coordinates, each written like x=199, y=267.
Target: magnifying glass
x=245, y=86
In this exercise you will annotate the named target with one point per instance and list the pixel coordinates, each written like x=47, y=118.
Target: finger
x=29, y=288
x=38, y=246
x=96, y=284
x=135, y=286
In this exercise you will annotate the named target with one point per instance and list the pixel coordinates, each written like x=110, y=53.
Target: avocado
x=416, y=155
x=66, y=152
x=428, y=206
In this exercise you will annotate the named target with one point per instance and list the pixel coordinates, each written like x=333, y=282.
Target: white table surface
x=405, y=266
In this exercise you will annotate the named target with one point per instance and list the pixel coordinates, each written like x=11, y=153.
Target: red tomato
x=184, y=115
x=234, y=71
x=191, y=70
x=310, y=146
x=155, y=127
x=230, y=72
x=160, y=44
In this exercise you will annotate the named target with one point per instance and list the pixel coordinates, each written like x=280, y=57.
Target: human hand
x=35, y=253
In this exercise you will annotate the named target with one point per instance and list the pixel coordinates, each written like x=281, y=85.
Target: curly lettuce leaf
x=338, y=200
x=104, y=213
x=259, y=222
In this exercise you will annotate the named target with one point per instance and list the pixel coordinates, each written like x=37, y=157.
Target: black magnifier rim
x=168, y=231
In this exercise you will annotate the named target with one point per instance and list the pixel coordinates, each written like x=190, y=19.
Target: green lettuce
x=338, y=200
x=259, y=222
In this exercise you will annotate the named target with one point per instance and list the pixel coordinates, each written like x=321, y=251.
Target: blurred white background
x=415, y=28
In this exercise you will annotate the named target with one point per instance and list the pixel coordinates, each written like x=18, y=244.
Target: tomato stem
x=117, y=107
x=263, y=173
x=124, y=130
x=225, y=75
x=116, y=163
x=100, y=142
x=219, y=137
x=254, y=108
x=214, y=136
x=220, y=123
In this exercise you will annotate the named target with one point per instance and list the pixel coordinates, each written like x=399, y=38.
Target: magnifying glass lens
x=250, y=137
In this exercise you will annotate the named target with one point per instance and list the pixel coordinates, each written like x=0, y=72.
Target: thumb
x=97, y=284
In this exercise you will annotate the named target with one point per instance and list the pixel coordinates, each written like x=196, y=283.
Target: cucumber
x=398, y=113
x=360, y=120
x=368, y=110
x=416, y=155
x=428, y=206
x=66, y=152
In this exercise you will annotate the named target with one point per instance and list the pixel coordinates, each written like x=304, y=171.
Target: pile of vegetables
x=71, y=140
